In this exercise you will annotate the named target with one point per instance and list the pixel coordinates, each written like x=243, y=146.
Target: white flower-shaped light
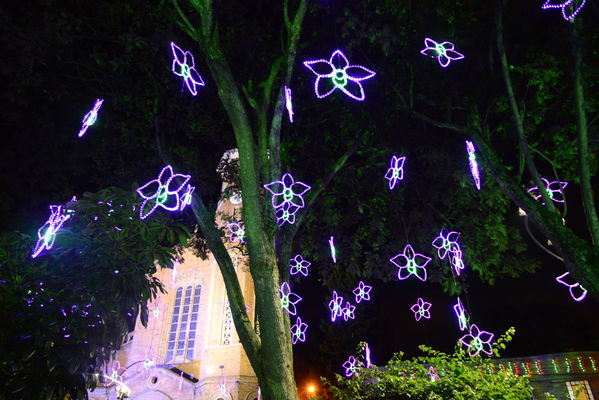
x=410, y=263
x=362, y=292
x=336, y=73
x=298, y=331
x=162, y=192
x=289, y=299
x=446, y=243
x=395, y=171
x=348, y=311
x=47, y=233
x=184, y=66
x=554, y=189
x=350, y=366
x=421, y=309
x=574, y=5
x=336, y=306
x=444, y=52
x=477, y=341
x=91, y=117
x=237, y=232
x=298, y=265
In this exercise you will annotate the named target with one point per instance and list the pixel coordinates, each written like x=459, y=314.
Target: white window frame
x=585, y=384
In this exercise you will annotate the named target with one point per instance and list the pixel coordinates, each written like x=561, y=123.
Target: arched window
x=184, y=322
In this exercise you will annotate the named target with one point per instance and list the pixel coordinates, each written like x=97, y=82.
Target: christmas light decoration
x=286, y=213
x=163, y=192
x=348, y=311
x=47, y=233
x=237, y=232
x=395, y=171
x=336, y=73
x=570, y=8
x=350, y=366
x=186, y=198
x=421, y=309
x=288, y=103
x=458, y=308
x=298, y=265
x=410, y=263
x=477, y=341
x=473, y=164
x=432, y=372
x=298, y=331
x=333, y=250
x=457, y=261
x=446, y=244
x=362, y=292
x=224, y=388
x=289, y=299
x=91, y=117
x=114, y=372
x=367, y=354
x=571, y=287
x=554, y=189
x=287, y=197
x=335, y=305
x=444, y=52
x=184, y=66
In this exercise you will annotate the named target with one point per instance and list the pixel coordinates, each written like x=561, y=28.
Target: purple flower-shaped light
x=473, y=164
x=336, y=73
x=446, y=243
x=554, y=188
x=336, y=306
x=298, y=265
x=367, y=355
x=457, y=262
x=163, y=192
x=184, y=65
x=186, y=198
x=289, y=299
x=444, y=52
x=298, y=331
x=90, y=117
x=114, y=373
x=565, y=6
x=237, y=232
x=421, y=309
x=395, y=171
x=410, y=263
x=288, y=103
x=350, y=366
x=477, y=341
x=287, y=191
x=332, y=248
x=348, y=311
x=286, y=213
x=432, y=372
x=47, y=233
x=362, y=292
x=458, y=308
x=571, y=287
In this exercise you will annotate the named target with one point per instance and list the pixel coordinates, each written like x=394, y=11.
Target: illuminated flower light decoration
x=187, y=196
x=90, y=118
x=148, y=363
x=410, y=263
x=47, y=233
x=457, y=262
x=297, y=265
x=237, y=232
x=162, y=192
x=477, y=341
x=288, y=103
x=367, y=355
x=333, y=250
x=362, y=292
x=184, y=66
x=298, y=331
x=395, y=171
x=224, y=388
x=570, y=8
x=350, y=366
x=554, y=189
x=473, y=164
x=444, y=52
x=571, y=287
x=289, y=299
x=446, y=244
x=156, y=309
x=460, y=312
x=287, y=198
x=336, y=73
x=348, y=311
x=421, y=309
x=432, y=372
x=114, y=373
x=336, y=306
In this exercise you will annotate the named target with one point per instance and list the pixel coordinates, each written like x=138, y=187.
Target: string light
x=554, y=190
x=473, y=164
x=592, y=361
x=350, y=366
x=565, y=5
x=187, y=196
x=162, y=192
x=90, y=118
x=288, y=103
x=298, y=331
x=421, y=309
x=289, y=299
x=335, y=305
x=395, y=171
x=348, y=311
x=539, y=368
x=184, y=66
x=297, y=265
x=333, y=250
x=362, y=292
x=287, y=197
x=457, y=262
x=572, y=286
x=410, y=263
x=446, y=244
x=555, y=366
x=477, y=341
x=444, y=52
x=237, y=232
x=48, y=231
x=336, y=73
x=458, y=308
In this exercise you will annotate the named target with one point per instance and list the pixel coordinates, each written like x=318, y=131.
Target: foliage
x=461, y=377
x=66, y=312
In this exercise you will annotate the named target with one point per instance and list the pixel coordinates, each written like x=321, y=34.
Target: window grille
x=182, y=333
x=226, y=339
